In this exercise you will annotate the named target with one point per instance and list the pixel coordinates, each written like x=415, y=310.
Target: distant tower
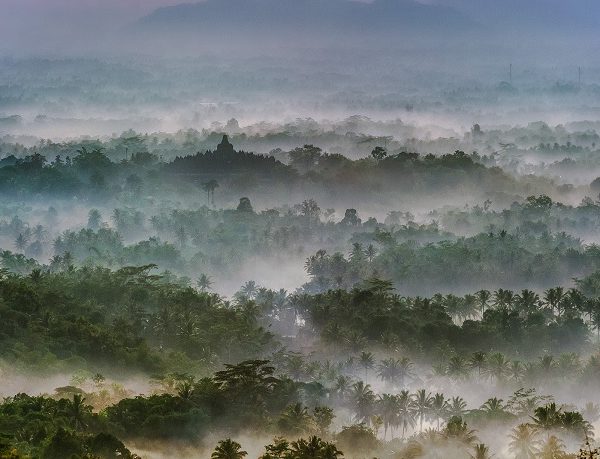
x=579, y=75
x=225, y=147
x=510, y=74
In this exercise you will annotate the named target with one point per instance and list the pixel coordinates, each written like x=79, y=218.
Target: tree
x=78, y=411
x=478, y=361
x=363, y=400
x=456, y=406
x=296, y=420
x=406, y=412
x=204, y=283
x=210, y=188
x=422, y=402
x=313, y=448
x=351, y=218
x=392, y=370
x=94, y=219
x=367, y=361
x=483, y=296
x=439, y=407
x=228, y=449
x=379, y=153
x=387, y=407
x=552, y=448
x=481, y=451
x=323, y=417
x=21, y=241
x=456, y=429
x=523, y=442
x=358, y=439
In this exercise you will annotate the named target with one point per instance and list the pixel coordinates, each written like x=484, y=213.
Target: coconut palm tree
x=204, y=282
x=228, y=449
x=503, y=299
x=457, y=430
x=553, y=298
x=523, y=442
x=296, y=420
x=458, y=367
x=497, y=367
x=439, y=407
x=387, y=407
x=494, y=407
x=478, y=361
x=367, y=361
x=456, y=407
x=483, y=297
x=392, y=370
x=363, y=399
x=552, y=448
x=422, y=402
x=527, y=301
x=77, y=411
x=210, y=188
x=481, y=451
x=342, y=387
x=406, y=413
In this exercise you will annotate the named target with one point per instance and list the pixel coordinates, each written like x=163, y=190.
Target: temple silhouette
x=225, y=146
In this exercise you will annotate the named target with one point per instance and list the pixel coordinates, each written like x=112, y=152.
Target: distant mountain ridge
x=549, y=14
x=307, y=16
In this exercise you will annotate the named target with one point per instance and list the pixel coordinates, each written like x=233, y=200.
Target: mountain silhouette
x=303, y=17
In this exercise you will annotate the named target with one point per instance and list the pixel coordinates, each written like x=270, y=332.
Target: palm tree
x=367, y=361
x=458, y=367
x=228, y=449
x=439, y=407
x=77, y=411
x=422, y=404
x=387, y=407
x=314, y=447
x=406, y=412
x=296, y=420
x=456, y=407
x=204, y=282
x=392, y=369
x=481, y=451
x=478, y=360
x=21, y=241
x=553, y=297
x=470, y=306
x=547, y=417
x=498, y=367
x=249, y=289
x=503, y=299
x=457, y=430
x=342, y=386
x=210, y=188
x=483, y=296
x=516, y=370
x=363, y=399
x=370, y=252
x=552, y=448
x=94, y=219
x=527, y=301
x=523, y=442
x=493, y=407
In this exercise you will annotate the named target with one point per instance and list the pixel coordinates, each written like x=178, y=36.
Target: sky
x=48, y=24
x=63, y=26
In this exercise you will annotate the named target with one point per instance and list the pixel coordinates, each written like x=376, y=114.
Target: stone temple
x=225, y=146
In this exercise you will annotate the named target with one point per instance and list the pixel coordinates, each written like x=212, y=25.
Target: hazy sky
x=46, y=25
x=61, y=26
